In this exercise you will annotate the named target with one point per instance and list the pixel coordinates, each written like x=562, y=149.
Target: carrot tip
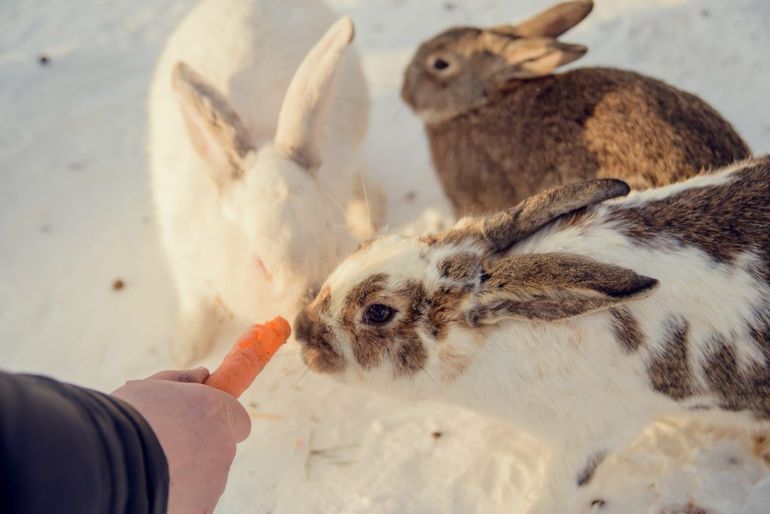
x=249, y=355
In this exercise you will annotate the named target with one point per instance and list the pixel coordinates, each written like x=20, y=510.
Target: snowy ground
x=75, y=218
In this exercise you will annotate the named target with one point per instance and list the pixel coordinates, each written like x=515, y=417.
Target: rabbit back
x=583, y=124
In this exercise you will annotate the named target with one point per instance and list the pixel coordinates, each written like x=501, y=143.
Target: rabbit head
x=462, y=67
x=267, y=191
x=409, y=315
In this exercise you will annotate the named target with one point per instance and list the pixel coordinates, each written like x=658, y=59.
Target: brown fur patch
x=738, y=389
x=397, y=340
x=443, y=310
x=314, y=335
x=553, y=286
x=565, y=271
x=576, y=218
x=587, y=473
x=464, y=268
x=699, y=407
x=370, y=345
x=551, y=23
x=415, y=295
x=626, y=329
x=362, y=293
x=722, y=374
x=762, y=448
x=690, y=508
x=205, y=108
x=453, y=363
x=722, y=220
x=453, y=236
x=508, y=227
x=322, y=302
x=543, y=132
x=551, y=306
x=366, y=341
x=411, y=355
x=669, y=371
x=760, y=379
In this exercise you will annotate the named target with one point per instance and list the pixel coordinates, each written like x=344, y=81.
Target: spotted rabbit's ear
x=501, y=231
x=552, y=287
x=552, y=22
x=216, y=132
x=508, y=227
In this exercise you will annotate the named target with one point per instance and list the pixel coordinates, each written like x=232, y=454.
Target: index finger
x=192, y=376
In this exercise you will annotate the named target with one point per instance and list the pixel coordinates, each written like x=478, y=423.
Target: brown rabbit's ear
x=532, y=57
x=215, y=130
x=552, y=287
x=552, y=22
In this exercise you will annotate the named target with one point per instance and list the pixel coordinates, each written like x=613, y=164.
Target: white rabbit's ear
x=552, y=22
x=531, y=57
x=215, y=130
x=307, y=99
x=552, y=287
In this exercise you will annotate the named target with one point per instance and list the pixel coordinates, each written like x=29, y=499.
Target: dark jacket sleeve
x=65, y=449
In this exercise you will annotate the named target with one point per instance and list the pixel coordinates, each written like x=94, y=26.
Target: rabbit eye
x=378, y=314
x=440, y=64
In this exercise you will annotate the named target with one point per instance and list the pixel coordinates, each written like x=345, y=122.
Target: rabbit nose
x=310, y=332
x=302, y=327
x=317, y=352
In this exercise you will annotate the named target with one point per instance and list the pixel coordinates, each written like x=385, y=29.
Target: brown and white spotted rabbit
x=502, y=126
x=579, y=320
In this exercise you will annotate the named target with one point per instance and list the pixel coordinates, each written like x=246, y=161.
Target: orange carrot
x=249, y=356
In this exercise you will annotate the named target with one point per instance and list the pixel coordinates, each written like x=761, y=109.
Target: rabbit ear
x=552, y=287
x=216, y=131
x=550, y=23
x=531, y=57
x=508, y=227
x=308, y=96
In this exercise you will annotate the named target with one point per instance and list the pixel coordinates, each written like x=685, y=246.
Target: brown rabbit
x=503, y=127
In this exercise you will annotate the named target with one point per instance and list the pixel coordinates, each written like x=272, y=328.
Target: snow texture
x=85, y=295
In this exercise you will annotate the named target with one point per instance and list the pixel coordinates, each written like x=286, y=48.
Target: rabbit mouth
x=322, y=359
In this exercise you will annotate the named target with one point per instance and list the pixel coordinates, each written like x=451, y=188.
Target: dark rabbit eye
x=378, y=314
x=440, y=64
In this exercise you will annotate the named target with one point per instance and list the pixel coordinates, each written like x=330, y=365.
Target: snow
x=75, y=216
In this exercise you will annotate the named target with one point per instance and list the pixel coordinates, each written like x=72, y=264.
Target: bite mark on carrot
x=249, y=356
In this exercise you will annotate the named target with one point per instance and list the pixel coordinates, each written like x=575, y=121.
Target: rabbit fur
x=579, y=314
x=502, y=126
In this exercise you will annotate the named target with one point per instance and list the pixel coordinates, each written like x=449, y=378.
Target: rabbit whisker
x=430, y=376
x=334, y=200
x=366, y=198
x=304, y=373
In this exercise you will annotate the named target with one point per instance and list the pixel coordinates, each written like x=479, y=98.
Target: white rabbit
x=249, y=225
x=248, y=51
x=578, y=320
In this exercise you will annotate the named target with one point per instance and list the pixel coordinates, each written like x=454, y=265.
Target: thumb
x=192, y=376
x=237, y=417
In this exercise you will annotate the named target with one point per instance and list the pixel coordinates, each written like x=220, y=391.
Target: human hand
x=198, y=428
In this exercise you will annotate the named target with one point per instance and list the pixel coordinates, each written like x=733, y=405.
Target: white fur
x=249, y=50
